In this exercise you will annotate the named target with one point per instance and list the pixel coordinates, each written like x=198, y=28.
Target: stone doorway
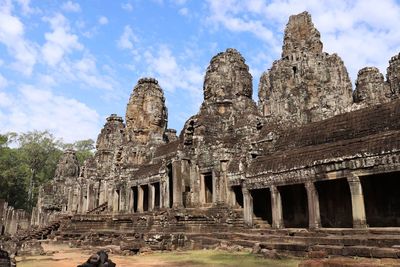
x=207, y=187
x=237, y=191
x=294, y=205
x=145, y=189
x=117, y=200
x=157, y=195
x=262, y=204
x=134, y=198
x=335, y=203
x=382, y=199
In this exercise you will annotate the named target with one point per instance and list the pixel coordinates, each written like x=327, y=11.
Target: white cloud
x=127, y=6
x=184, y=11
x=180, y=2
x=33, y=108
x=3, y=82
x=12, y=36
x=362, y=32
x=103, y=20
x=127, y=38
x=60, y=41
x=173, y=75
x=26, y=8
x=71, y=7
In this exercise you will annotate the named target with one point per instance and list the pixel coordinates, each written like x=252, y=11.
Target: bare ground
x=64, y=256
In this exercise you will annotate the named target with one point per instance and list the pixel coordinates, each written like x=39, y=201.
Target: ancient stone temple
x=310, y=161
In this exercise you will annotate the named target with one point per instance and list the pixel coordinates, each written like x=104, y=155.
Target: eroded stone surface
x=393, y=75
x=146, y=114
x=68, y=165
x=145, y=188
x=371, y=88
x=306, y=84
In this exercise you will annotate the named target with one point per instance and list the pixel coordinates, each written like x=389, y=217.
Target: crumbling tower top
x=301, y=35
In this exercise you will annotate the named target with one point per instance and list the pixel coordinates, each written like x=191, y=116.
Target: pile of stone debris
x=5, y=260
x=99, y=259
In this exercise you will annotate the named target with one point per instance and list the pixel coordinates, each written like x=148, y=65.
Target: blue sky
x=66, y=65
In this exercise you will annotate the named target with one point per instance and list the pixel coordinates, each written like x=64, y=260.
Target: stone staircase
x=40, y=233
x=98, y=209
x=208, y=228
x=376, y=243
x=260, y=223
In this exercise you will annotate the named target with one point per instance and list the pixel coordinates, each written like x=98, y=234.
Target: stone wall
x=308, y=127
x=306, y=84
x=12, y=220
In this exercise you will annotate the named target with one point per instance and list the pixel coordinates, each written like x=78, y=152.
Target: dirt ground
x=64, y=256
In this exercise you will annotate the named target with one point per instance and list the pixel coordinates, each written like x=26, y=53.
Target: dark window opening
x=382, y=199
x=294, y=206
x=134, y=198
x=262, y=204
x=208, y=187
x=335, y=203
x=294, y=70
x=118, y=199
x=237, y=190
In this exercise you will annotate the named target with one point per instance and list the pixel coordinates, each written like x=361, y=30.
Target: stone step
x=359, y=251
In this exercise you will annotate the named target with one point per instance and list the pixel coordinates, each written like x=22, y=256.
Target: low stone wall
x=12, y=220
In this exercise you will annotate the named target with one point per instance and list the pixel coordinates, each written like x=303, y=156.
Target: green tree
x=40, y=151
x=84, y=149
x=13, y=174
x=28, y=160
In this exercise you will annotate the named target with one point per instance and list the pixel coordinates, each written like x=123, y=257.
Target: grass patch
x=195, y=258
x=219, y=258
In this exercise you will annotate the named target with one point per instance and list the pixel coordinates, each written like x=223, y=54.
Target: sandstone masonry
x=312, y=155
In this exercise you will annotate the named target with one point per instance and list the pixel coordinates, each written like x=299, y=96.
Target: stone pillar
x=276, y=203
x=357, y=202
x=116, y=199
x=91, y=196
x=140, y=199
x=131, y=198
x=247, y=207
x=224, y=188
x=70, y=200
x=314, y=218
x=195, y=178
x=164, y=191
x=110, y=196
x=152, y=197
x=177, y=184
x=216, y=185
x=161, y=192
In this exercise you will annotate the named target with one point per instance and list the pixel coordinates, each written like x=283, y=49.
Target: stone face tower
x=68, y=165
x=146, y=114
x=227, y=77
x=306, y=84
x=393, y=75
x=227, y=84
x=371, y=89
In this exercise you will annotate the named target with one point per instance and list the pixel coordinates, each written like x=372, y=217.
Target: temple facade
x=312, y=153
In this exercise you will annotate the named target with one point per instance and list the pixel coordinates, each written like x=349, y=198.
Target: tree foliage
x=28, y=160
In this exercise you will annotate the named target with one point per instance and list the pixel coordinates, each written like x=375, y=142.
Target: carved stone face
x=227, y=77
x=154, y=112
x=146, y=114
